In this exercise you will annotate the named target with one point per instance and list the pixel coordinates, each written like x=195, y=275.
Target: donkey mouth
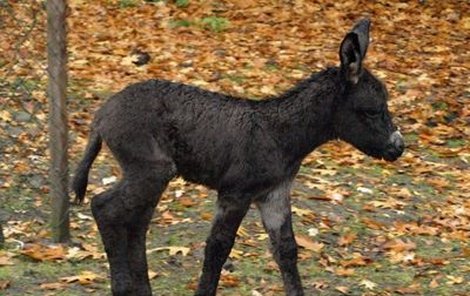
x=392, y=153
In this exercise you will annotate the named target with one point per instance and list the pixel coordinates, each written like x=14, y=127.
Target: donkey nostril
x=396, y=139
x=400, y=144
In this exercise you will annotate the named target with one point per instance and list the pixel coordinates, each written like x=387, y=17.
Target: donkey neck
x=302, y=118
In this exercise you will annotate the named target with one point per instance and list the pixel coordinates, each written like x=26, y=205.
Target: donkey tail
x=80, y=180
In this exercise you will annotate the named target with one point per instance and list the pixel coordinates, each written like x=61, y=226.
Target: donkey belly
x=199, y=173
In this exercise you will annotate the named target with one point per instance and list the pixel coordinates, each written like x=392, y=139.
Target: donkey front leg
x=275, y=211
x=230, y=212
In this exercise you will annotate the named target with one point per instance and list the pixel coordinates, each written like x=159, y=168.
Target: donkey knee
x=287, y=250
x=108, y=208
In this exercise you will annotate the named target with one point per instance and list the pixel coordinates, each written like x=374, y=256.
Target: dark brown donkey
x=249, y=151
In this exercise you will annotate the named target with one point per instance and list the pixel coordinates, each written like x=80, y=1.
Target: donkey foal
x=249, y=151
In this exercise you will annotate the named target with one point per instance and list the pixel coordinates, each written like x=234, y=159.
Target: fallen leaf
x=84, y=278
x=306, y=243
x=44, y=252
x=344, y=290
x=411, y=290
x=357, y=261
x=229, y=280
x=368, y=284
x=365, y=190
x=5, y=258
x=313, y=231
x=4, y=284
x=454, y=280
x=399, y=245
x=53, y=286
x=152, y=274
x=243, y=232
x=5, y=116
x=320, y=285
x=347, y=239
x=344, y=271
x=236, y=254
x=172, y=250
x=302, y=212
x=186, y=201
x=434, y=283
x=373, y=224
x=206, y=216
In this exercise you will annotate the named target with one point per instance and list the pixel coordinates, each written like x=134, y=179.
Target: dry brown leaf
x=306, y=243
x=344, y=271
x=172, y=250
x=152, y=274
x=454, y=280
x=43, y=252
x=347, y=239
x=373, y=224
x=399, y=245
x=53, y=286
x=84, y=278
x=4, y=284
x=344, y=290
x=357, y=261
x=434, y=283
x=207, y=216
x=410, y=290
x=302, y=212
x=5, y=258
x=186, y=201
x=368, y=284
x=229, y=280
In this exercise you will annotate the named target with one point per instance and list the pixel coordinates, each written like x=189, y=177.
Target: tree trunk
x=58, y=130
x=2, y=238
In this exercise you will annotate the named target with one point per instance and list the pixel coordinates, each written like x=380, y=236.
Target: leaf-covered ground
x=365, y=227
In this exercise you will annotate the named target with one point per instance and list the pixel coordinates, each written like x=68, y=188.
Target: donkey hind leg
x=136, y=236
x=230, y=212
x=124, y=212
x=276, y=214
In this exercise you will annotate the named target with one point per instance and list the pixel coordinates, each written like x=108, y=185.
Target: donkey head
x=362, y=117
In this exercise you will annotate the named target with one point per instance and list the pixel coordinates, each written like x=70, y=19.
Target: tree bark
x=58, y=130
x=2, y=238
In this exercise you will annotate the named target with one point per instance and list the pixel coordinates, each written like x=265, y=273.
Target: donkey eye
x=372, y=113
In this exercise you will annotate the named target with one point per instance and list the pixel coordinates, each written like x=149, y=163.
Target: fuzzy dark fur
x=249, y=151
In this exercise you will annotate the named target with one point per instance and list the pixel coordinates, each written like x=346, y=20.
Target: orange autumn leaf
x=4, y=284
x=5, y=258
x=399, y=245
x=357, y=261
x=306, y=243
x=229, y=280
x=347, y=239
x=53, y=286
x=84, y=278
x=44, y=252
x=344, y=271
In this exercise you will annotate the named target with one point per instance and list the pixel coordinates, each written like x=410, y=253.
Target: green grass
x=180, y=23
x=27, y=275
x=212, y=23
x=215, y=23
x=182, y=3
x=456, y=143
x=128, y=3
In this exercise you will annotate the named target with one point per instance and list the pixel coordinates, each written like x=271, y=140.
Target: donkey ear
x=362, y=31
x=353, y=50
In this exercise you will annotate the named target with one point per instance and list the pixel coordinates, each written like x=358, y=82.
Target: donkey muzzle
x=395, y=146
